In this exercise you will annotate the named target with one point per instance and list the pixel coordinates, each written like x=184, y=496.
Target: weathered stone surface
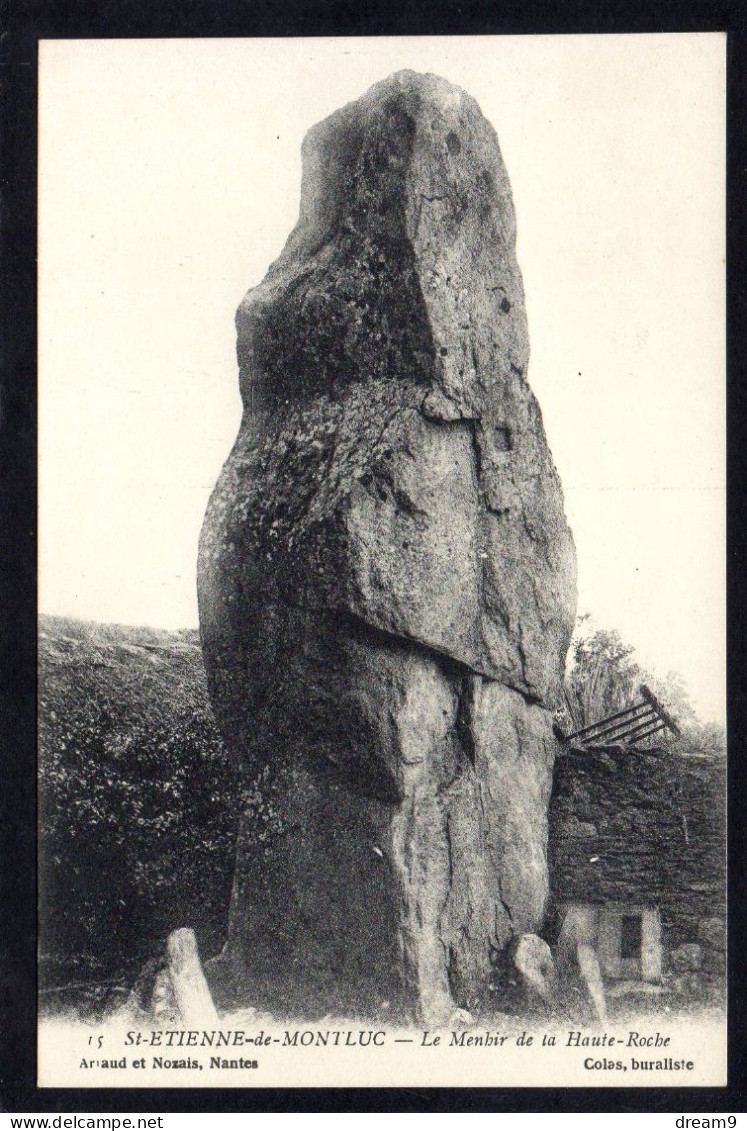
x=591, y=975
x=386, y=578
x=641, y=828
x=191, y=991
x=685, y=958
x=690, y=986
x=534, y=961
x=712, y=935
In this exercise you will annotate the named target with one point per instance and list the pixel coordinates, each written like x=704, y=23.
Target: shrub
x=138, y=799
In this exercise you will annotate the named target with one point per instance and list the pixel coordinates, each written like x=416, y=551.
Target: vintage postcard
x=382, y=562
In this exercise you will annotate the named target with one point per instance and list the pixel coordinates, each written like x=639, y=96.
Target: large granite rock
x=386, y=578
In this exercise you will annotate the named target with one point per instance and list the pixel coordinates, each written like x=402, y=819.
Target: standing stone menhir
x=386, y=578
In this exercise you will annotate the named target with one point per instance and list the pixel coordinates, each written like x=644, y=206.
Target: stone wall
x=641, y=828
x=386, y=579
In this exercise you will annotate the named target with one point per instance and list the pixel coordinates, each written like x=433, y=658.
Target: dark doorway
x=631, y=936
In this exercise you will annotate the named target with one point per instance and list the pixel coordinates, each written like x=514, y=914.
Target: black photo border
x=22, y=25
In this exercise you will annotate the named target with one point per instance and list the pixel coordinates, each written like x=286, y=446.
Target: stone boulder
x=712, y=939
x=685, y=958
x=591, y=977
x=386, y=578
x=534, y=962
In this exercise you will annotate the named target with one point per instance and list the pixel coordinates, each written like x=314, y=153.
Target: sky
x=169, y=177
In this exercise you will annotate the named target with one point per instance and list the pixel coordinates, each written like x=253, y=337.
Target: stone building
x=637, y=857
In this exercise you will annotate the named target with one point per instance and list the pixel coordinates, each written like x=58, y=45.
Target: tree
x=604, y=676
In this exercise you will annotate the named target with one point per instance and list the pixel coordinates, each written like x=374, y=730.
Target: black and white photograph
x=381, y=640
